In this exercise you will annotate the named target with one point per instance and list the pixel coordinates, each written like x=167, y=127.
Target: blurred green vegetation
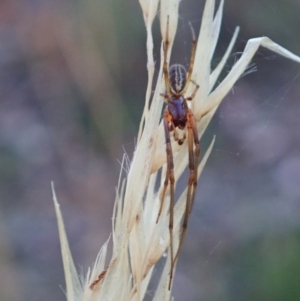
x=267, y=268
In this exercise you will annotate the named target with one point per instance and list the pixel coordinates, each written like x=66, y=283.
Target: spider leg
x=167, y=118
x=165, y=65
x=194, y=92
x=197, y=156
x=165, y=96
x=190, y=71
x=189, y=190
x=193, y=177
x=169, y=177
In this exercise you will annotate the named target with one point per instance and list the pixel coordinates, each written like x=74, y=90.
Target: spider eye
x=177, y=77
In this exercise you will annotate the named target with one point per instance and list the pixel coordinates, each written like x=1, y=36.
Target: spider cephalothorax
x=177, y=114
x=178, y=109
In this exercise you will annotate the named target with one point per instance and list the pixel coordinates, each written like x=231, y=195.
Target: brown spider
x=177, y=114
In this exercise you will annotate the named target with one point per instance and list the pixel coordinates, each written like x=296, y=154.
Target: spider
x=177, y=114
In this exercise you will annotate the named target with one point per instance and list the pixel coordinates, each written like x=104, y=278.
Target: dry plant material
x=98, y=279
x=138, y=239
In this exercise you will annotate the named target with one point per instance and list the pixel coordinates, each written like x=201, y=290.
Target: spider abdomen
x=177, y=78
x=178, y=109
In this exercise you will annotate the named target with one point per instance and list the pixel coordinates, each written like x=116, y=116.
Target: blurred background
x=73, y=80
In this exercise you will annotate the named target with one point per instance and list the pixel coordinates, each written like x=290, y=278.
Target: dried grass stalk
x=138, y=241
